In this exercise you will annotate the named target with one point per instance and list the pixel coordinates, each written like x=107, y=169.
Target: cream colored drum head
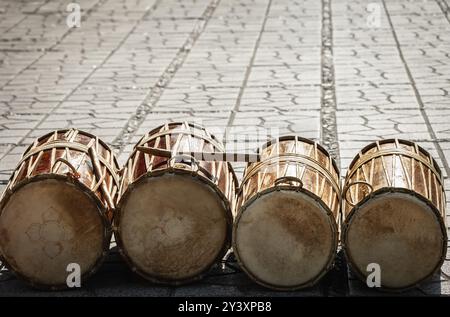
x=172, y=227
x=285, y=239
x=46, y=225
x=401, y=233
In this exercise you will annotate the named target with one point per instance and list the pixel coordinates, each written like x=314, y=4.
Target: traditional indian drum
x=285, y=234
x=394, y=213
x=57, y=208
x=174, y=215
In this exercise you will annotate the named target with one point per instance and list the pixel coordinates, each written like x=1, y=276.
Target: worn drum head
x=47, y=224
x=172, y=227
x=401, y=233
x=285, y=239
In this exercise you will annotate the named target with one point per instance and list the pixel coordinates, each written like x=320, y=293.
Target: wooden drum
x=174, y=216
x=57, y=208
x=394, y=213
x=285, y=234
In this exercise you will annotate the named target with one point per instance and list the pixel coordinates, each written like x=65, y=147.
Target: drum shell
x=392, y=170
x=76, y=156
x=179, y=137
x=323, y=183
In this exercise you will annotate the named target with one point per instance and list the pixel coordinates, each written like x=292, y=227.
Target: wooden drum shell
x=66, y=157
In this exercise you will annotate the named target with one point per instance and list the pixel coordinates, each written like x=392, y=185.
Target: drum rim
x=393, y=140
x=287, y=137
x=351, y=215
x=333, y=225
x=185, y=173
x=103, y=143
x=102, y=213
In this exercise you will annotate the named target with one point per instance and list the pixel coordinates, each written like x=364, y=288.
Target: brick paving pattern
x=340, y=72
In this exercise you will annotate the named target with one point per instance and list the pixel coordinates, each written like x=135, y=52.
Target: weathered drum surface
x=56, y=209
x=394, y=213
x=174, y=216
x=285, y=234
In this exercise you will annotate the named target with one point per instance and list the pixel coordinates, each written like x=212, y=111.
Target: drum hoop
x=348, y=220
x=329, y=213
x=388, y=152
x=107, y=232
x=226, y=203
x=72, y=146
x=297, y=158
x=289, y=137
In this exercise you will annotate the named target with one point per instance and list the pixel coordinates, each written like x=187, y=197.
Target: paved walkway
x=342, y=72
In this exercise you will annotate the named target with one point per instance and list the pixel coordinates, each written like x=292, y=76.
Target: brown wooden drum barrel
x=285, y=234
x=394, y=211
x=57, y=208
x=174, y=216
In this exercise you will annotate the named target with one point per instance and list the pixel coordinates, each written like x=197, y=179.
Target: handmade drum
x=174, y=215
x=285, y=234
x=394, y=212
x=57, y=208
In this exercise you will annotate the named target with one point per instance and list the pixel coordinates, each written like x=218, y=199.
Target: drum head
x=172, y=227
x=401, y=233
x=47, y=224
x=285, y=239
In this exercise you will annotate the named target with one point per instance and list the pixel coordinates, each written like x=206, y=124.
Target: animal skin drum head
x=401, y=233
x=172, y=227
x=285, y=239
x=46, y=225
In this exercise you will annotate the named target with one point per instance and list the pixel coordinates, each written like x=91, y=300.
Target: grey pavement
x=341, y=72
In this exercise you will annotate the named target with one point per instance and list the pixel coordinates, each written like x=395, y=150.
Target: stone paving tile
x=197, y=99
x=376, y=124
x=436, y=96
x=286, y=98
x=362, y=96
